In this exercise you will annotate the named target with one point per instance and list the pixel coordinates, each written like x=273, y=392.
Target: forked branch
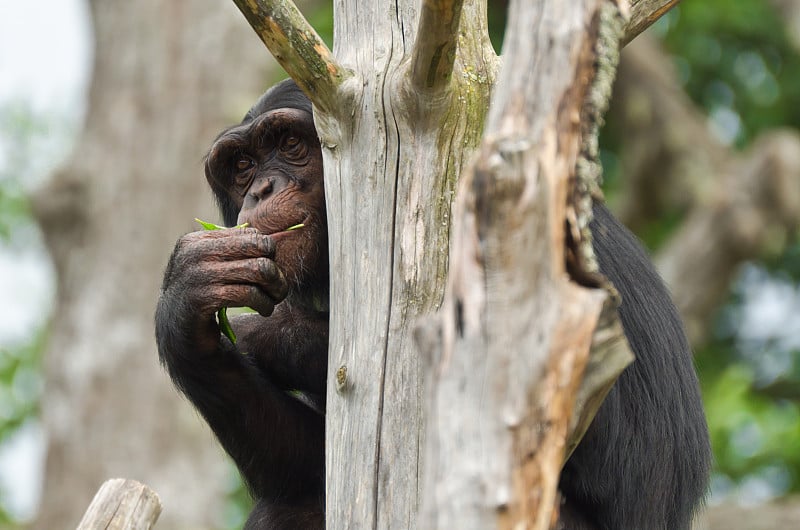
x=436, y=44
x=297, y=47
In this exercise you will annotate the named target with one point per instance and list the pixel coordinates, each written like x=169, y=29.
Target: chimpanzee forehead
x=277, y=122
x=285, y=94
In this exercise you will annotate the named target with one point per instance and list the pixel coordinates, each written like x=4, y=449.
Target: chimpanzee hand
x=209, y=270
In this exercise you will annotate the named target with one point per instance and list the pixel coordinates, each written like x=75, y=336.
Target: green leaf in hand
x=222, y=314
x=225, y=325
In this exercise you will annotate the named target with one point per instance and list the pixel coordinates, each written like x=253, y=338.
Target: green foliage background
x=23, y=135
x=737, y=63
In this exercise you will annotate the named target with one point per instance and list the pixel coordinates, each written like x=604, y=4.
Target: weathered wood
x=437, y=40
x=122, y=504
x=608, y=357
x=516, y=331
x=775, y=514
x=643, y=14
x=393, y=151
x=390, y=173
x=297, y=47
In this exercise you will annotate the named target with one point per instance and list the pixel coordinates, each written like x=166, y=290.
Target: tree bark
x=643, y=14
x=388, y=214
x=391, y=204
x=167, y=77
x=517, y=328
x=400, y=128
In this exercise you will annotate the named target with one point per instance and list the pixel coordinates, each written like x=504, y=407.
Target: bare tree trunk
x=516, y=325
x=399, y=111
x=164, y=74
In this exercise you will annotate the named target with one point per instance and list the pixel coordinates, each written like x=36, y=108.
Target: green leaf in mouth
x=211, y=226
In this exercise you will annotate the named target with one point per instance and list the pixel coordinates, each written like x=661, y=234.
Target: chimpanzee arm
x=291, y=346
x=275, y=440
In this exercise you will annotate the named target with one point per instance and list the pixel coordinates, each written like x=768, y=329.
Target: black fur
x=644, y=463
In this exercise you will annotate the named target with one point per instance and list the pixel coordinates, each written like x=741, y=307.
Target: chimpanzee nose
x=261, y=188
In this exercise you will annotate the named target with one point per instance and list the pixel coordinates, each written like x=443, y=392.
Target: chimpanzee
x=643, y=464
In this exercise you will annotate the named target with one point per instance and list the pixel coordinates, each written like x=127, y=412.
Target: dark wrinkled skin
x=643, y=464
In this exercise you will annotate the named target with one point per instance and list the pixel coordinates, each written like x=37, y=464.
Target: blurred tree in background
x=701, y=159
x=25, y=133
x=739, y=62
x=109, y=215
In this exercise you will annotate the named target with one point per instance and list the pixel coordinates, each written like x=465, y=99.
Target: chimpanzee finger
x=247, y=296
x=261, y=272
x=225, y=245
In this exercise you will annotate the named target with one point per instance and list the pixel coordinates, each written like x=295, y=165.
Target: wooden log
x=122, y=504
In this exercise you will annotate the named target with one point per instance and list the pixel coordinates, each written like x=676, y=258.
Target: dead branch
x=520, y=376
x=122, y=503
x=775, y=515
x=298, y=48
x=755, y=207
x=435, y=45
x=643, y=14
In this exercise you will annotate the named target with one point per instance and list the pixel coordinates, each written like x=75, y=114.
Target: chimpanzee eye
x=293, y=148
x=244, y=163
